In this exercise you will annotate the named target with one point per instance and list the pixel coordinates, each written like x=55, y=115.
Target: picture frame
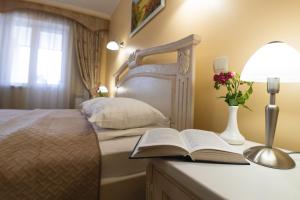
x=143, y=11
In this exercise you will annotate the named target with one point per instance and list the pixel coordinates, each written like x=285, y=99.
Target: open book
x=198, y=145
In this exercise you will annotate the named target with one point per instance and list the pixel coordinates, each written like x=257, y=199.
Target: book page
x=160, y=137
x=199, y=139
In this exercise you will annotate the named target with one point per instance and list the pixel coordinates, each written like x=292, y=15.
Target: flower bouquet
x=234, y=97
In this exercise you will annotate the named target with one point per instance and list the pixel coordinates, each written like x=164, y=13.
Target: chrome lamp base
x=269, y=157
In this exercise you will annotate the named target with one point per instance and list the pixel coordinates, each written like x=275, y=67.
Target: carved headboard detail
x=167, y=87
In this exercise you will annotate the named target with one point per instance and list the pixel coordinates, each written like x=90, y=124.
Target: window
x=21, y=55
x=36, y=55
x=35, y=60
x=49, y=59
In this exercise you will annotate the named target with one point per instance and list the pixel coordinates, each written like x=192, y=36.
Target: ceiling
x=99, y=8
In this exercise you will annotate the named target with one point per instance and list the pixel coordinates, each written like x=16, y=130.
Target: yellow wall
x=233, y=28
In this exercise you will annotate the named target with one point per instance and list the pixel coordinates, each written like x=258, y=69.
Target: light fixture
x=102, y=91
x=114, y=46
x=273, y=63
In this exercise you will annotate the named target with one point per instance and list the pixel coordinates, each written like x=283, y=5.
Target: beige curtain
x=89, y=50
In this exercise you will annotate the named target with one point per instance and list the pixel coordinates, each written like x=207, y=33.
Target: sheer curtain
x=35, y=60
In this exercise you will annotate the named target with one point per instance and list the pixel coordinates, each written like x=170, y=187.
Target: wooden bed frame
x=167, y=87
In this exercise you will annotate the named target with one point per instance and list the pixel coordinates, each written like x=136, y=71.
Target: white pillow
x=88, y=107
x=121, y=113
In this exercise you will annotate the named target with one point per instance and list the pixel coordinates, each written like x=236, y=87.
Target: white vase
x=232, y=134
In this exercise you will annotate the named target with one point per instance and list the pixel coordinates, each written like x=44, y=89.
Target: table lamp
x=273, y=63
x=102, y=91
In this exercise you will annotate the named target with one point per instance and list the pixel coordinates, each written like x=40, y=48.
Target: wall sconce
x=114, y=46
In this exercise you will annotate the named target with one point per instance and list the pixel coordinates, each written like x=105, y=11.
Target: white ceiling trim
x=73, y=8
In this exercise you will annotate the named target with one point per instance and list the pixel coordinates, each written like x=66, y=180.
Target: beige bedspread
x=48, y=154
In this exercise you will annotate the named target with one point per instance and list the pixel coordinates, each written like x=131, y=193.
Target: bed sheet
x=116, y=164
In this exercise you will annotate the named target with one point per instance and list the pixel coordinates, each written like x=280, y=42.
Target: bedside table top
x=223, y=181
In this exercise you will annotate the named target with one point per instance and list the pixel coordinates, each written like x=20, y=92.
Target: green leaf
x=250, y=90
x=246, y=107
x=241, y=100
x=233, y=102
x=227, y=101
x=217, y=86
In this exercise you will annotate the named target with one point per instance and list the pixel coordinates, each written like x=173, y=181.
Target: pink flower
x=222, y=78
x=223, y=81
x=230, y=74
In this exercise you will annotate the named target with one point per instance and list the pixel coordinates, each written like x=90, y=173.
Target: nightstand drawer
x=160, y=186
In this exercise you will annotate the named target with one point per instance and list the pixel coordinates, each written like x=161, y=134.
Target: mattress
x=115, y=163
x=116, y=146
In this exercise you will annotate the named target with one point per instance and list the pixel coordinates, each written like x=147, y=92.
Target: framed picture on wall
x=142, y=11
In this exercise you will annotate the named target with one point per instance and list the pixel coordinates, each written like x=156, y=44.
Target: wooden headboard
x=167, y=87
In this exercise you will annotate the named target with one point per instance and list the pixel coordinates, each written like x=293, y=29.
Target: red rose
x=216, y=78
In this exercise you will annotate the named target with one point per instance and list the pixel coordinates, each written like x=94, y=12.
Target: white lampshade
x=273, y=60
x=113, y=45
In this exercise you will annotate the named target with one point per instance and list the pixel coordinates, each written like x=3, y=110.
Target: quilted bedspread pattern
x=48, y=154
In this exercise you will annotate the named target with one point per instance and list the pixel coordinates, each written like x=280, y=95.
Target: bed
x=33, y=150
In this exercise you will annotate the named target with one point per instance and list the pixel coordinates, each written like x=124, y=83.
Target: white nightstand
x=175, y=180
